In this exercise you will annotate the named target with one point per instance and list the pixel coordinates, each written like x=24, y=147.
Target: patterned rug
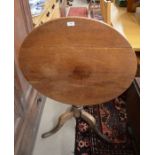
x=78, y=11
x=111, y=119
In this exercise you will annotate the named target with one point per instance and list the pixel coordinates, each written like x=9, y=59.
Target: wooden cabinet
x=132, y=4
x=51, y=11
x=28, y=102
x=133, y=111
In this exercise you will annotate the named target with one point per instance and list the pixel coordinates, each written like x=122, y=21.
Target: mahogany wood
x=85, y=64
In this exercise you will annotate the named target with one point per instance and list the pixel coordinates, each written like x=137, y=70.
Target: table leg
x=92, y=122
x=76, y=111
x=62, y=119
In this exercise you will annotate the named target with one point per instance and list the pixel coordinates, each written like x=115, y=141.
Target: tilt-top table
x=77, y=61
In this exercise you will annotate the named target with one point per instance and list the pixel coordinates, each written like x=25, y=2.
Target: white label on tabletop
x=71, y=23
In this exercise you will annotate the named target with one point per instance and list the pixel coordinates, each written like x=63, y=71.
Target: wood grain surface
x=86, y=63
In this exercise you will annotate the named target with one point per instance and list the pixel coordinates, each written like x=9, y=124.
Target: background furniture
x=51, y=11
x=133, y=111
x=132, y=4
x=106, y=10
x=101, y=10
x=28, y=102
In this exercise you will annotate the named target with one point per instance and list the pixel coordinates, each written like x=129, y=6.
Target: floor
x=61, y=143
x=128, y=24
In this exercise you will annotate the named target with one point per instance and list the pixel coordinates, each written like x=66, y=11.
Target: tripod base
x=76, y=112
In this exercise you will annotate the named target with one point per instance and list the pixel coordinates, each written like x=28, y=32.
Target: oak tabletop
x=77, y=61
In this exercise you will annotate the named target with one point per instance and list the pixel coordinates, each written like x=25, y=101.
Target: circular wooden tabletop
x=77, y=61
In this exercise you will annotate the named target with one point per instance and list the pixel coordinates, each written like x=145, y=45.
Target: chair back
x=106, y=10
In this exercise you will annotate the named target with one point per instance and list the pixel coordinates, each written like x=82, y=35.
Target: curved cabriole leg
x=62, y=119
x=92, y=122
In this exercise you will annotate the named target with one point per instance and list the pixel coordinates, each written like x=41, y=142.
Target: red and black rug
x=111, y=119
